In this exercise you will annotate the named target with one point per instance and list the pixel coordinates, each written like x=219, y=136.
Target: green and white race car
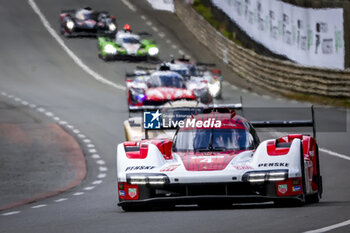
x=127, y=46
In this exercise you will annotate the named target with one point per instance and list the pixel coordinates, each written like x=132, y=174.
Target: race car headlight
x=214, y=88
x=262, y=176
x=134, y=179
x=110, y=49
x=112, y=27
x=70, y=25
x=153, y=51
x=140, y=97
x=157, y=179
x=147, y=179
x=257, y=177
x=277, y=175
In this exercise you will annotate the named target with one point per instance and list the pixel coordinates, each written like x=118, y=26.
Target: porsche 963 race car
x=216, y=158
x=155, y=88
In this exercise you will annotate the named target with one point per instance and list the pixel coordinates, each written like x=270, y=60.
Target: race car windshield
x=131, y=40
x=183, y=72
x=170, y=80
x=202, y=140
x=85, y=15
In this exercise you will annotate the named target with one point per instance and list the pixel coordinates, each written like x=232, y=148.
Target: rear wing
x=137, y=73
x=206, y=64
x=288, y=123
x=205, y=109
x=67, y=11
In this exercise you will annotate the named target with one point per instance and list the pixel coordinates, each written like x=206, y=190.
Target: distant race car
x=195, y=72
x=127, y=46
x=199, y=70
x=155, y=88
x=216, y=159
x=86, y=22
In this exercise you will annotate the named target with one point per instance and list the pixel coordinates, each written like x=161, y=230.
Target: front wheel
x=315, y=198
x=303, y=180
x=103, y=57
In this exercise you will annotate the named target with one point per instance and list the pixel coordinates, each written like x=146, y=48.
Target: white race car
x=216, y=158
x=199, y=71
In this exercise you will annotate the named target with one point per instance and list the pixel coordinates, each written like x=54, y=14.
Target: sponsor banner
x=165, y=5
x=311, y=37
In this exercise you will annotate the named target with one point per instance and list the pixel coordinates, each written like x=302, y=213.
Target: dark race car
x=86, y=22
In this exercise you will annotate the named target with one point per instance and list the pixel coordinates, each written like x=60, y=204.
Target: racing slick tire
x=63, y=31
x=104, y=57
x=293, y=202
x=315, y=198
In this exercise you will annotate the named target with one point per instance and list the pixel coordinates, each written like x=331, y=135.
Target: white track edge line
x=329, y=228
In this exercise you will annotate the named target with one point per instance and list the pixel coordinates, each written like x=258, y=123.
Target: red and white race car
x=158, y=87
x=216, y=158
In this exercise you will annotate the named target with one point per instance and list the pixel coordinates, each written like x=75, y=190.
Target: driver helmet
x=127, y=28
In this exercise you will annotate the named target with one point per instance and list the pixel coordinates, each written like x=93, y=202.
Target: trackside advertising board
x=311, y=37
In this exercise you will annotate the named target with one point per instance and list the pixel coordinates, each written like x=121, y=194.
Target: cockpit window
x=166, y=80
x=202, y=140
x=84, y=14
x=183, y=72
x=130, y=40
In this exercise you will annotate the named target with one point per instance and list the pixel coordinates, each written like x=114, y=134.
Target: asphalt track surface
x=35, y=68
x=38, y=157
